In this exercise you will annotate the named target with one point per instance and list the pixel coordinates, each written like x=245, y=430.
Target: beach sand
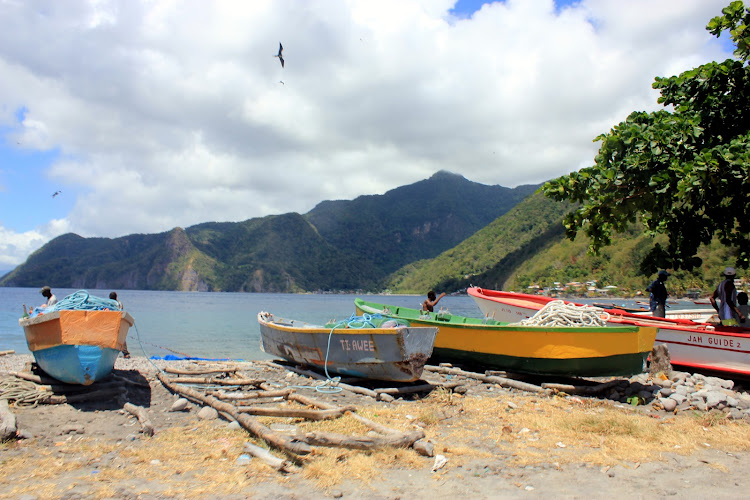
x=497, y=443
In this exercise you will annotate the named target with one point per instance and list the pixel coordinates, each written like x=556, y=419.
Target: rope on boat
x=558, y=313
x=81, y=301
x=23, y=392
x=377, y=320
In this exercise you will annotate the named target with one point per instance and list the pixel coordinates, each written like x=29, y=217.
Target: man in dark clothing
x=726, y=295
x=659, y=294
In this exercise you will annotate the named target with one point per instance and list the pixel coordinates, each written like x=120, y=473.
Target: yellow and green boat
x=585, y=351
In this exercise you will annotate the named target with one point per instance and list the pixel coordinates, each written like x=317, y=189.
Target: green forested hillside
x=527, y=246
x=412, y=222
x=508, y=240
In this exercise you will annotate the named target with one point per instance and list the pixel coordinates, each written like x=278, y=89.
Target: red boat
x=692, y=345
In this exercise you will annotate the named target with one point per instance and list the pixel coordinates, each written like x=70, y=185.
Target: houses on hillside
x=588, y=288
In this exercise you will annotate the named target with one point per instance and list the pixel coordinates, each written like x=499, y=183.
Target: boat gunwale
x=502, y=326
x=319, y=329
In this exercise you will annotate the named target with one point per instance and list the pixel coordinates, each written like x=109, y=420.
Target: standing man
x=729, y=313
x=125, y=352
x=659, y=294
x=47, y=293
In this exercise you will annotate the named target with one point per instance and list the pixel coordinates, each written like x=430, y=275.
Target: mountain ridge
x=338, y=245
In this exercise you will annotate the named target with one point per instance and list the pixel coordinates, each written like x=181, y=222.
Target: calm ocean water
x=217, y=325
x=208, y=325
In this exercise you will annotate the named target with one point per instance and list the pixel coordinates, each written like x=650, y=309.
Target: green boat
x=584, y=351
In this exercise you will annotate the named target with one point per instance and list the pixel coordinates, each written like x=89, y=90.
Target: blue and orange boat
x=78, y=340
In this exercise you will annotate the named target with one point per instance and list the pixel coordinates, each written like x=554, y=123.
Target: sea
x=219, y=325
x=213, y=325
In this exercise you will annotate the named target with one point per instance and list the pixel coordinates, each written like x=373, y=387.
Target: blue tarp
x=172, y=357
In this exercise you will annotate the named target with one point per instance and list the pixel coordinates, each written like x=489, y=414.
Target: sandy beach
x=488, y=442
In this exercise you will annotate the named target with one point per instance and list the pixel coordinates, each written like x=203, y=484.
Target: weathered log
x=265, y=455
x=199, y=371
x=305, y=413
x=38, y=379
x=409, y=389
x=351, y=388
x=131, y=382
x=71, y=388
x=325, y=406
x=5, y=353
x=401, y=440
x=139, y=412
x=218, y=381
x=83, y=396
x=501, y=381
x=582, y=389
x=250, y=395
x=245, y=420
x=7, y=421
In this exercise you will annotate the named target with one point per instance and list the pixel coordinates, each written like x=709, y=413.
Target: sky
x=122, y=117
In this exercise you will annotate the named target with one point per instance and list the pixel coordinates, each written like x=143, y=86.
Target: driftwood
x=305, y=413
x=7, y=421
x=139, y=412
x=582, y=389
x=200, y=371
x=5, y=353
x=251, y=395
x=72, y=388
x=501, y=381
x=409, y=389
x=218, y=381
x=366, y=421
x=83, y=396
x=334, y=439
x=265, y=455
x=351, y=388
x=245, y=420
x=132, y=382
x=38, y=379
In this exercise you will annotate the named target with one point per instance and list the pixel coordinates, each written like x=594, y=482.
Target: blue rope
x=81, y=301
x=355, y=322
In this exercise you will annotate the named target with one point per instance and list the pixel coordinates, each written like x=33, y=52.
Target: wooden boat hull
x=690, y=344
x=77, y=346
x=395, y=354
x=578, y=351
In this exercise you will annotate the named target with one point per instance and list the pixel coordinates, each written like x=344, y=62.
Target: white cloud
x=172, y=113
x=16, y=247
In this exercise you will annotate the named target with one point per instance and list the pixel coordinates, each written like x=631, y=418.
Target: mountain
x=342, y=244
x=413, y=222
x=491, y=254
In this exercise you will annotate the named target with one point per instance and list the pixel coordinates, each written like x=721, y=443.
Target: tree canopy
x=684, y=172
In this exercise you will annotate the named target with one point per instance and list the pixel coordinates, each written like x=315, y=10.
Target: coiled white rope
x=558, y=313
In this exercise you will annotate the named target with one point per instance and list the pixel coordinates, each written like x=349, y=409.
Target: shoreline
x=497, y=441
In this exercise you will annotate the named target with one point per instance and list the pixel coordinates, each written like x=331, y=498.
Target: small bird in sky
x=281, y=49
x=56, y=193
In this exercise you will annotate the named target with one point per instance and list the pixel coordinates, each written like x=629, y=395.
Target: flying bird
x=281, y=49
x=56, y=193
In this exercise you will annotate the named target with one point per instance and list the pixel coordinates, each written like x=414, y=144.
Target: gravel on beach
x=475, y=432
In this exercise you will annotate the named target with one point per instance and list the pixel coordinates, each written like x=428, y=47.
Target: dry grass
x=516, y=430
